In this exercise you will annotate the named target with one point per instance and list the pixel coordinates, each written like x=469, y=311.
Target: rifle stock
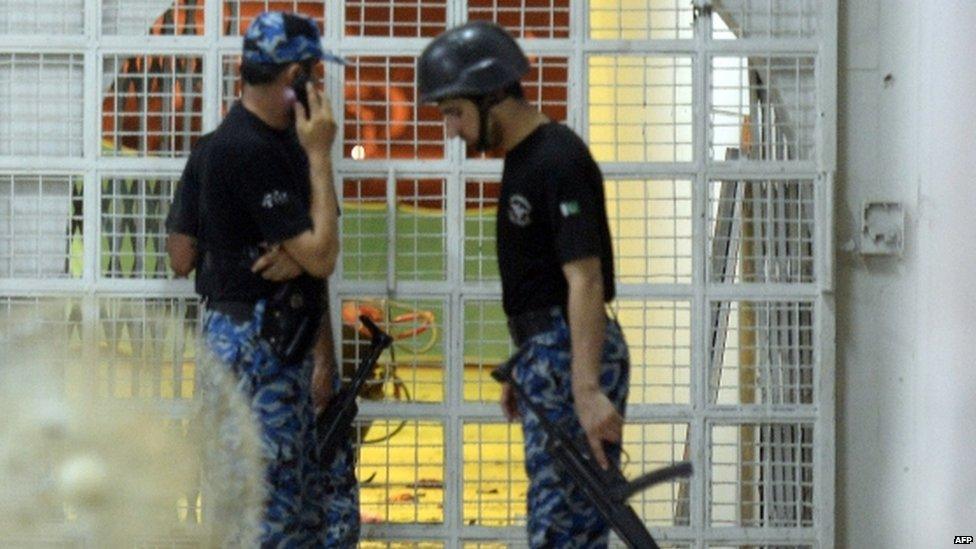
x=334, y=423
x=608, y=490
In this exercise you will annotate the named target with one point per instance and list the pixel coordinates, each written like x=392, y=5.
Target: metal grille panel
x=762, y=353
x=480, y=206
x=763, y=106
x=412, y=369
x=421, y=231
x=649, y=446
x=761, y=231
x=396, y=18
x=766, y=19
x=546, y=85
x=41, y=102
x=365, y=229
x=133, y=234
x=152, y=105
x=41, y=226
x=640, y=108
x=762, y=475
x=230, y=82
x=401, y=471
x=524, y=18
x=147, y=348
x=383, y=118
x=640, y=20
x=418, y=231
x=42, y=17
x=495, y=483
x=658, y=335
x=152, y=17
x=486, y=345
x=651, y=227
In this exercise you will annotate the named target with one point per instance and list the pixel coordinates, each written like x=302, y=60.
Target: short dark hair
x=256, y=74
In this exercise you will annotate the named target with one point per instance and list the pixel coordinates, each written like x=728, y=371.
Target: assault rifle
x=334, y=424
x=608, y=490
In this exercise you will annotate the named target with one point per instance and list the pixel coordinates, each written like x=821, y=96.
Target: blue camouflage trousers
x=559, y=515
x=308, y=505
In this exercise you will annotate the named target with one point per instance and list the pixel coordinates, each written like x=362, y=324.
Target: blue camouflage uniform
x=559, y=513
x=551, y=212
x=551, y=230
x=310, y=504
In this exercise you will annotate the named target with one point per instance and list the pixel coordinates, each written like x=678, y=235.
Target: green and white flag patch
x=569, y=208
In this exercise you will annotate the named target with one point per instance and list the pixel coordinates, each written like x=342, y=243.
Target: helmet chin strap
x=485, y=104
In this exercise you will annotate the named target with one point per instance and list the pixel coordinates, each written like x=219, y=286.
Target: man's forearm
x=324, y=345
x=322, y=209
x=598, y=416
x=587, y=323
x=182, y=251
x=316, y=249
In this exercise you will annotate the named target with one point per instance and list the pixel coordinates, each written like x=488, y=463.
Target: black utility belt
x=239, y=311
x=525, y=325
x=290, y=321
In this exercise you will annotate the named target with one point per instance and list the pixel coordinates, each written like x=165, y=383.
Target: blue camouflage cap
x=275, y=38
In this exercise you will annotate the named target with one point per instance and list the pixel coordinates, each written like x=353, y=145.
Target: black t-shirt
x=551, y=211
x=254, y=190
x=184, y=213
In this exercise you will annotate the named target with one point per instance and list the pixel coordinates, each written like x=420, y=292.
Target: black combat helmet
x=472, y=60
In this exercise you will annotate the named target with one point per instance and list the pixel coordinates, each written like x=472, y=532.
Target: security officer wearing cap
x=267, y=236
x=556, y=265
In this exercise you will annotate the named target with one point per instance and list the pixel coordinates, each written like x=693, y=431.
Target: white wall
x=906, y=379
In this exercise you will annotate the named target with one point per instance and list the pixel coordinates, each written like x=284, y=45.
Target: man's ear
x=291, y=73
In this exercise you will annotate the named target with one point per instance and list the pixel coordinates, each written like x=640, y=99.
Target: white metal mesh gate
x=713, y=124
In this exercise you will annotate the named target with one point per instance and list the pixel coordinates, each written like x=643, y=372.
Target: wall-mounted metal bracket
x=882, y=228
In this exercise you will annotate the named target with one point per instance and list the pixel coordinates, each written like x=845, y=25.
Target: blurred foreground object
x=81, y=467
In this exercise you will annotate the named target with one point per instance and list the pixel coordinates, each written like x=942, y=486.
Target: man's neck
x=517, y=120
x=265, y=103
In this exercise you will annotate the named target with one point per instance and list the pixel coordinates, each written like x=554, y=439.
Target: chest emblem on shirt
x=519, y=210
x=274, y=198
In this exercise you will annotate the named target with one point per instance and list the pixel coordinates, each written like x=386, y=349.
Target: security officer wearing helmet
x=556, y=265
x=267, y=238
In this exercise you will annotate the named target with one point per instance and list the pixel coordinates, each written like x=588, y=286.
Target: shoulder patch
x=274, y=198
x=519, y=210
x=569, y=208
